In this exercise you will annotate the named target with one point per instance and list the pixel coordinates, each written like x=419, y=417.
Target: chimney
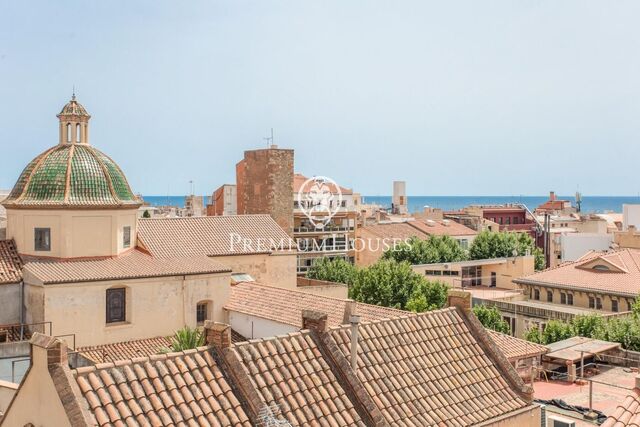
x=314, y=321
x=217, y=334
x=552, y=196
x=349, y=310
x=55, y=349
x=355, y=335
x=459, y=299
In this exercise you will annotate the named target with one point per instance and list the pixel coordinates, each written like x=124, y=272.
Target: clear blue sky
x=455, y=97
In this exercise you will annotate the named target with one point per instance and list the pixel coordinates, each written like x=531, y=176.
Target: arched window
x=78, y=132
x=68, y=132
x=601, y=267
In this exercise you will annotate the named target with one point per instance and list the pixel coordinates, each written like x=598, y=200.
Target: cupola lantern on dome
x=74, y=123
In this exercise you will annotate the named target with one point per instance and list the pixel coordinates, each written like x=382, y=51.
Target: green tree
x=556, y=330
x=387, y=283
x=187, y=338
x=488, y=244
x=146, y=214
x=533, y=335
x=332, y=270
x=435, y=249
x=587, y=326
x=427, y=296
x=491, y=318
x=635, y=308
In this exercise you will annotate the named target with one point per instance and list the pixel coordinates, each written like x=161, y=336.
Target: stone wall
x=265, y=185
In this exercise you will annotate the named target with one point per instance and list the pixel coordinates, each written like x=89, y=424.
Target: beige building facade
x=498, y=272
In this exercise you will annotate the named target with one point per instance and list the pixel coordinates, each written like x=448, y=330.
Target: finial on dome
x=73, y=93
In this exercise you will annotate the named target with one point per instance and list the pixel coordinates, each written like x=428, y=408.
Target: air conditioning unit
x=555, y=421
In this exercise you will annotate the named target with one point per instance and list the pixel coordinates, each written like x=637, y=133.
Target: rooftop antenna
x=578, y=199
x=269, y=139
x=191, y=184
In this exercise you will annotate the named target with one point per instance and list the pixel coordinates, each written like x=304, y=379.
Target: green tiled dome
x=73, y=175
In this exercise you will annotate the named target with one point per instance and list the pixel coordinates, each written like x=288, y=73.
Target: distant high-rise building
x=399, y=201
x=264, y=180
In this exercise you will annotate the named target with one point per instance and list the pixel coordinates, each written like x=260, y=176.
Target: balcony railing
x=328, y=228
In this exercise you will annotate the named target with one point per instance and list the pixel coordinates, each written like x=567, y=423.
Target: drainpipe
x=21, y=310
x=355, y=322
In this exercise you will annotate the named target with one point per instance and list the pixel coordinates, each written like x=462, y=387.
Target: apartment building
x=224, y=201
x=333, y=237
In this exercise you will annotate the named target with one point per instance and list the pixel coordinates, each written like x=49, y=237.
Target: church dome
x=72, y=173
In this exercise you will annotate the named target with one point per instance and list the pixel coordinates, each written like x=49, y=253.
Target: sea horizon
x=590, y=204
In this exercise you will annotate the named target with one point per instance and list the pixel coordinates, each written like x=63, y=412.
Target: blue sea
x=590, y=204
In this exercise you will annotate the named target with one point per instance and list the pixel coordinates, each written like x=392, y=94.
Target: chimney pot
x=217, y=334
x=355, y=336
x=552, y=195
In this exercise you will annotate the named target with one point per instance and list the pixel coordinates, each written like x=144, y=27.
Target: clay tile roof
x=291, y=372
x=515, y=348
x=429, y=369
x=285, y=305
x=124, y=350
x=134, y=348
x=132, y=265
x=186, y=388
x=400, y=230
x=210, y=235
x=442, y=228
x=615, y=272
x=10, y=263
x=627, y=414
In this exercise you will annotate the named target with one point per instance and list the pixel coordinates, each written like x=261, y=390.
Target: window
x=42, y=239
x=508, y=220
x=126, y=236
x=601, y=267
x=629, y=305
x=570, y=299
x=598, y=303
x=592, y=302
x=116, y=305
x=201, y=312
x=549, y=296
x=563, y=298
x=536, y=294
x=614, y=305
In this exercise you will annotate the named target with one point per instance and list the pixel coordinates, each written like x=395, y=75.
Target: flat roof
x=559, y=307
x=572, y=349
x=490, y=261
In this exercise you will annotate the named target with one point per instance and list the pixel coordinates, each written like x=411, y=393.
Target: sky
x=454, y=97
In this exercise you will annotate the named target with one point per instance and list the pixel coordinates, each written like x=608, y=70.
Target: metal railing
x=22, y=331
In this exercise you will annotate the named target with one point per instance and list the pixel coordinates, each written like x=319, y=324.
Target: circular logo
x=320, y=199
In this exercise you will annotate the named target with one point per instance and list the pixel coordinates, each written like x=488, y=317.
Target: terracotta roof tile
x=183, y=388
x=622, y=276
x=10, y=263
x=290, y=372
x=124, y=350
x=516, y=348
x=210, y=235
x=286, y=305
x=132, y=265
x=442, y=228
x=429, y=369
x=627, y=414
